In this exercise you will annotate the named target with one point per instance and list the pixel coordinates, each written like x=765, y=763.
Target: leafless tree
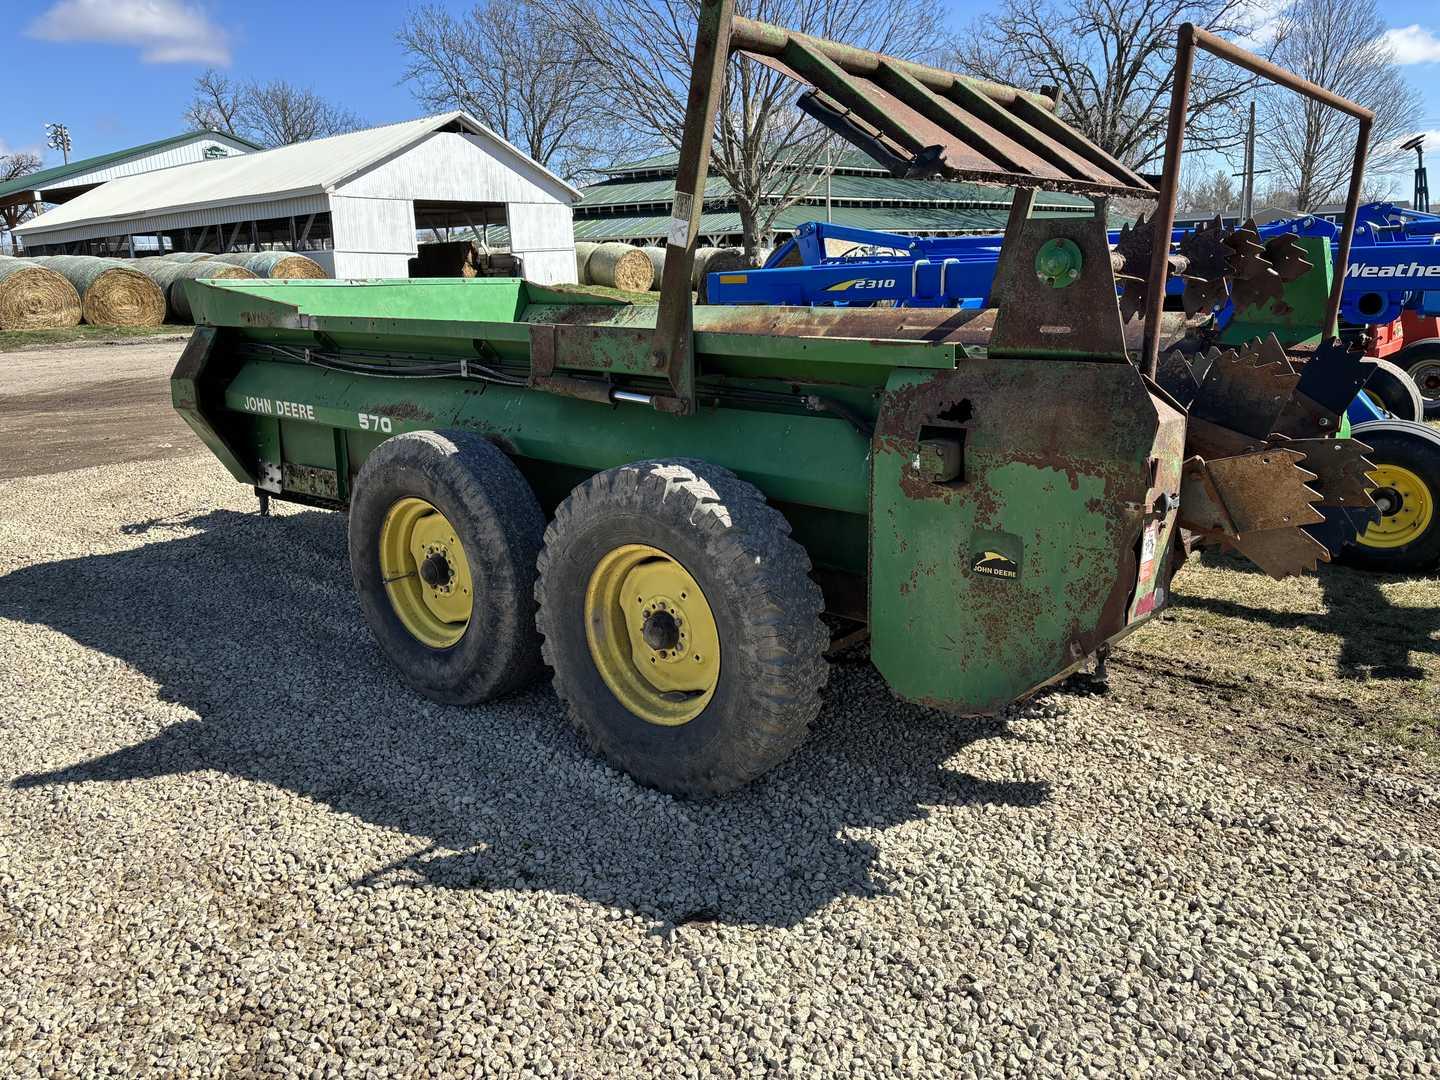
x=1340, y=45
x=1113, y=62
x=13, y=167
x=1216, y=193
x=272, y=114
x=501, y=62
x=278, y=114
x=216, y=104
x=769, y=153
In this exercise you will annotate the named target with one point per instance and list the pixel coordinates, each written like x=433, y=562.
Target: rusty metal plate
x=311, y=480
x=1247, y=391
x=1340, y=469
x=922, y=121
x=1033, y=318
x=1282, y=553
x=1265, y=489
x=1201, y=508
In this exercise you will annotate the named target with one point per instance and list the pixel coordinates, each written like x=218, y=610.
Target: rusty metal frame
x=673, y=350
x=927, y=119
x=1191, y=37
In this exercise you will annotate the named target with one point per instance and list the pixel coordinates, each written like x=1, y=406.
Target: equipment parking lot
x=233, y=843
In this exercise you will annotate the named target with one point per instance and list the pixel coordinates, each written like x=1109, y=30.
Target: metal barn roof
x=308, y=168
x=56, y=175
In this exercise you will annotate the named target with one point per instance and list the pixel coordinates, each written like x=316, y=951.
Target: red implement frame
x=1190, y=38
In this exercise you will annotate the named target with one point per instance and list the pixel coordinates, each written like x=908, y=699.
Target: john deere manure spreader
x=660, y=501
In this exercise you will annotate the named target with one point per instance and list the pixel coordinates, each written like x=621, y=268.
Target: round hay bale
x=277, y=264
x=188, y=256
x=169, y=275
x=113, y=292
x=713, y=260
x=583, y=250
x=35, y=298
x=656, y=255
x=620, y=266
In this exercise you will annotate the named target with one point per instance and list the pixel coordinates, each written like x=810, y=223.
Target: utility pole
x=1247, y=188
x=57, y=137
x=829, y=171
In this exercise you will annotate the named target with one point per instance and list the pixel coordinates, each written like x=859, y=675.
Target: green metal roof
x=906, y=220
x=847, y=158
x=866, y=189
x=48, y=177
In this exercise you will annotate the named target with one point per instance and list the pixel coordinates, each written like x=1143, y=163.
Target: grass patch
x=1339, y=655
x=11, y=340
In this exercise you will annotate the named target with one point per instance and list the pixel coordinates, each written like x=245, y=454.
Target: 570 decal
x=371, y=422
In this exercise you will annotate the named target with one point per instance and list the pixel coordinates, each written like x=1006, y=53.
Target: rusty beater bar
x=1189, y=38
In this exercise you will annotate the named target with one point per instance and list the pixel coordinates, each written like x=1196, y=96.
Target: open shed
x=354, y=203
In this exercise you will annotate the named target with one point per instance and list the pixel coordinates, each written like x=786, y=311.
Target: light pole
x=1422, y=187
x=57, y=137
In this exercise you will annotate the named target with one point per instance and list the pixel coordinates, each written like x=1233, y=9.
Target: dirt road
x=69, y=407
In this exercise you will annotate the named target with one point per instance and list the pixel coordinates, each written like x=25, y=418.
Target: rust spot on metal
x=403, y=410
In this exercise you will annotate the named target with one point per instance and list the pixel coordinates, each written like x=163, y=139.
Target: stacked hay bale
x=169, y=276
x=583, y=250
x=113, y=292
x=656, y=255
x=616, y=266
x=275, y=264
x=620, y=266
x=713, y=260
x=35, y=298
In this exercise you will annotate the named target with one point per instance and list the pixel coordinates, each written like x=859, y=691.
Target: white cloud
x=1414, y=44
x=166, y=31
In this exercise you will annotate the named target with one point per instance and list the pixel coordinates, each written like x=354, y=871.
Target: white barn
x=61, y=183
x=352, y=202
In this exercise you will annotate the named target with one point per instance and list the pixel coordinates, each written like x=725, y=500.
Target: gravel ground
x=232, y=844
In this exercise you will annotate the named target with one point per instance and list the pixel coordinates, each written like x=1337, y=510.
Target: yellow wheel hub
x=426, y=574
x=1407, y=507
x=652, y=635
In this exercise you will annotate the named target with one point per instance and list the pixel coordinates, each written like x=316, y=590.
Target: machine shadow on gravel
x=251, y=623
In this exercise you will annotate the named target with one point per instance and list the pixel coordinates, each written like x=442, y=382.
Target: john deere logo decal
x=994, y=564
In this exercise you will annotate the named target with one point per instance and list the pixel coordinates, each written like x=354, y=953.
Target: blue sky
x=119, y=72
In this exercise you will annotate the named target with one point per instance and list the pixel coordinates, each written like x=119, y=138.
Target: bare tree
x=502, y=63
x=1339, y=44
x=278, y=114
x=769, y=153
x=13, y=167
x=271, y=114
x=1214, y=194
x=216, y=104
x=1113, y=62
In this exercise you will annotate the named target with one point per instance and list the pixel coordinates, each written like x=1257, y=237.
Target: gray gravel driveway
x=232, y=844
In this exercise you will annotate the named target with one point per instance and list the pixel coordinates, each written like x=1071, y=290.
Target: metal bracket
x=1034, y=318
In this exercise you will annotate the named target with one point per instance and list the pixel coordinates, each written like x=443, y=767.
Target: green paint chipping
x=984, y=588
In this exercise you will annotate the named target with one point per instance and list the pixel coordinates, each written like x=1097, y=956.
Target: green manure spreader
x=678, y=508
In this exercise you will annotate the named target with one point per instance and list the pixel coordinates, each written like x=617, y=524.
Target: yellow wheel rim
x=652, y=635
x=426, y=574
x=1407, y=507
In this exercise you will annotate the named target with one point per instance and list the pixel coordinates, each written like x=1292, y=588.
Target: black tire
x=766, y=608
x=1421, y=362
x=1416, y=448
x=1395, y=390
x=499, y=525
